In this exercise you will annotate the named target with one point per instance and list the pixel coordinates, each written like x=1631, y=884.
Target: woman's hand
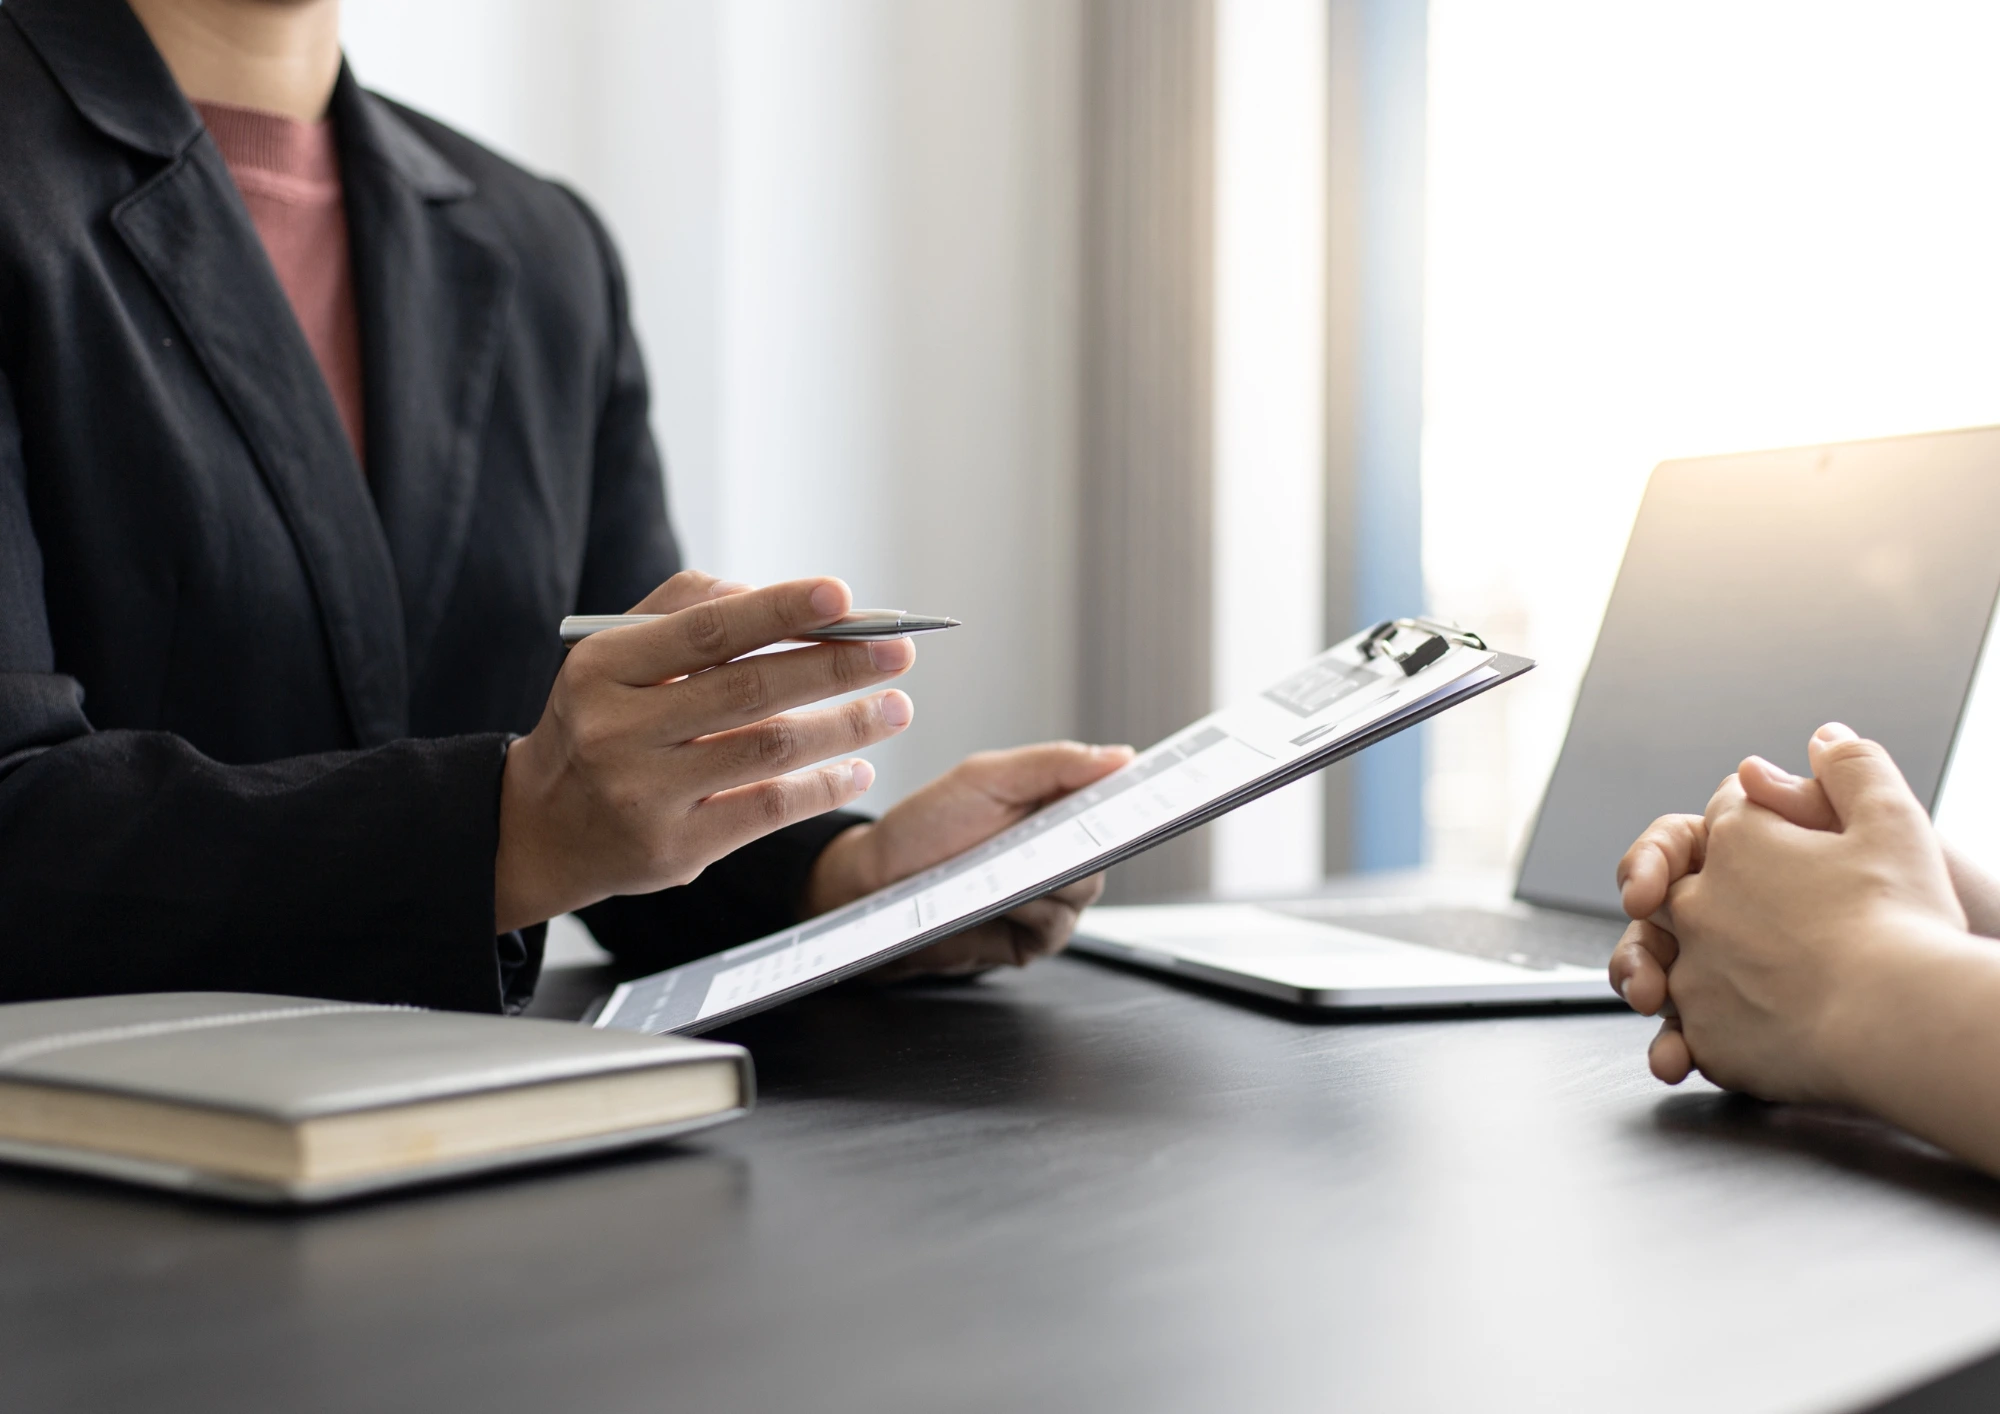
x=1811, y=934
x=975, y=800
x=1769, y=932
x=1672, y=847
x=657, y=753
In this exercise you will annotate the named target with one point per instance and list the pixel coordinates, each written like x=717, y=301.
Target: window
x=1662, y=229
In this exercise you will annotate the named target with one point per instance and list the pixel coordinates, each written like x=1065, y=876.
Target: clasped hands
x=1782, y=934
x=663, y=748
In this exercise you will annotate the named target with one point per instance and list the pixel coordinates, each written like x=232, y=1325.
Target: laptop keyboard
x=1539, y=939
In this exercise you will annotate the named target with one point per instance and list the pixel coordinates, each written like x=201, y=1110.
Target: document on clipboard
x=1356, y=693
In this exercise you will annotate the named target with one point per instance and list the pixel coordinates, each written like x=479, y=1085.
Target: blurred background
x=1165, y=341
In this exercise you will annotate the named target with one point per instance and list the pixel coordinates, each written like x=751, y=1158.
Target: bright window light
x=1663, y=228
x=1270, y=379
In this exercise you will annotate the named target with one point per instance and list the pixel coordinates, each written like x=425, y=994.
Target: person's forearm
x=136, y=864
x=1912, y=1037
x=1978, y=891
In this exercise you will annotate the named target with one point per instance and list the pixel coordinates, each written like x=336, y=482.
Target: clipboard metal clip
x=1415, y=644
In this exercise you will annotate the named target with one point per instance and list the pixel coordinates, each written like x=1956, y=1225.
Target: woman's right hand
x=658, y=753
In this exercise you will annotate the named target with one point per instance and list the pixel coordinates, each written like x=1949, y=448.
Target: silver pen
x=863, y=625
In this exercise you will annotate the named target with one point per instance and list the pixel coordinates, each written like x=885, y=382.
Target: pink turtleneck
x=289, y=174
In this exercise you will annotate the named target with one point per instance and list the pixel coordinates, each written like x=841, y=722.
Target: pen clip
x=1385, y=641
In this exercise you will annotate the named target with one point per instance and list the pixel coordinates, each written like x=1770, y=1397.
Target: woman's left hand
x=975, y=800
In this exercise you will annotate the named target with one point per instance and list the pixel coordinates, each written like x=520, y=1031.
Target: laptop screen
x=1760, y=596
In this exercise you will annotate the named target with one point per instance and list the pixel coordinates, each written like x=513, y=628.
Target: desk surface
x=1073, y=1188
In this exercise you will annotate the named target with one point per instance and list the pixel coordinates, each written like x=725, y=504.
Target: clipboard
x=1362, y=690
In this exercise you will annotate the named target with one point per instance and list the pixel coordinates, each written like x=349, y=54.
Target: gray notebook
x=295, y=1100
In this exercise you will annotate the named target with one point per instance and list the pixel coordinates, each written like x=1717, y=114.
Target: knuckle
x=848, y=666
x=775, y=742
x=746, y=688
x=674, y=871
x=706, y=629
x=859, y=718
x=592, y=738
x=584, y=660
x=775, y=802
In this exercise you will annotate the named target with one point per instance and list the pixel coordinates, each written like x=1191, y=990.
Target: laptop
x=1760, y=595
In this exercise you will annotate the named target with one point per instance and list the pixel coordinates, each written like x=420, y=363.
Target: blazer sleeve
x=130, y=862
x=758, y=889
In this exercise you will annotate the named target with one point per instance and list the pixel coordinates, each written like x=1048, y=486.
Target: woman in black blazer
x=258, y=711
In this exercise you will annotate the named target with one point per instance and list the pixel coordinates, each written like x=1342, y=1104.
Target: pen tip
x=953, y=623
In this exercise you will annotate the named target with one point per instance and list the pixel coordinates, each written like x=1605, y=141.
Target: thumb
x=1860, y=780
x=1800, y=799
x=1027, y=775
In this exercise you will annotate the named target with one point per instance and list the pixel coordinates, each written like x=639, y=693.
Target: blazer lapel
x=434, y=282
x=188, y=230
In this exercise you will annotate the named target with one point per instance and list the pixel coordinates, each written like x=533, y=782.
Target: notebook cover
x=290, y=1059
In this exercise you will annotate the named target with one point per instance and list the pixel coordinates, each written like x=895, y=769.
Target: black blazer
x=253, y=705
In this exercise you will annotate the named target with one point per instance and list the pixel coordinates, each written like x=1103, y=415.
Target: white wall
x=851, y=234
x=899, y=337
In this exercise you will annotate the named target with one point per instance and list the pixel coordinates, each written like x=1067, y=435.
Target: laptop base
x=1356, y=955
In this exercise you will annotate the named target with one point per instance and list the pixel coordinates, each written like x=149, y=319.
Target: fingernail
x=1835, y=731
x=1625, y=991
x=891, y=654
x=830, y=598
x=896, y=709
x=729, y=586
x=1107, y=753
x=864, y=776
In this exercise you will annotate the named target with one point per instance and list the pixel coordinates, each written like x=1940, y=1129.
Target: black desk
x=1070, y=1189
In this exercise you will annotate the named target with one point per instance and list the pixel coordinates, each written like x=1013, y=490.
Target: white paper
x=1336, y=695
